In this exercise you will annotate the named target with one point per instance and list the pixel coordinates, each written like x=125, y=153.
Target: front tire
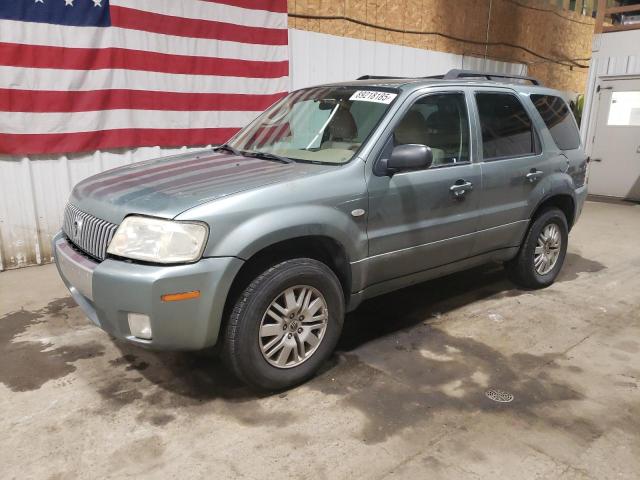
x=284, y=325
x=542, y=252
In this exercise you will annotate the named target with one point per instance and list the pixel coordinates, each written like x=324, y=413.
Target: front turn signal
x=175, y=297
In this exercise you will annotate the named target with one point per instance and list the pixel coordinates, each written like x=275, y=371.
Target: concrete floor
x=403, y=397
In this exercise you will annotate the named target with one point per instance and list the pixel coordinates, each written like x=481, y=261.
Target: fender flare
x=269, y=228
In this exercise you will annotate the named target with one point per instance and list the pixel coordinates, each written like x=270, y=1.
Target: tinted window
x=558, y=119
x=440, y=122
x=507, y=130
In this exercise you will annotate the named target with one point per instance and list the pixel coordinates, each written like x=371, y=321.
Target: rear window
x=558, y=119
x=507, y=130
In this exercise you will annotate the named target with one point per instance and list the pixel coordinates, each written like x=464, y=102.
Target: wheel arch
x=318, y=247
x=564, y=201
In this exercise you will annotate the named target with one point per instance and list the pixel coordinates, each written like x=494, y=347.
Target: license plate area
x=76, y=268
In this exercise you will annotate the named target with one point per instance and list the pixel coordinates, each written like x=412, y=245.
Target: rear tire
x=542, y=252
x=284, y=325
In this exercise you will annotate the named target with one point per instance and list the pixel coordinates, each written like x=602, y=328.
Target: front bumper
x=109, y=290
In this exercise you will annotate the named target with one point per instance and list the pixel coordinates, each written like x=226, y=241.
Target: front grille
x=88, y=233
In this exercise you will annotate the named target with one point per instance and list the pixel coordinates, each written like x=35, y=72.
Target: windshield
x=322, y=124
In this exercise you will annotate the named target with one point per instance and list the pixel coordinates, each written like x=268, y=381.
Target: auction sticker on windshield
x=373, y=96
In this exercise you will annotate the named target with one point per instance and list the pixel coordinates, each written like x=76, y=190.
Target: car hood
x=166, y=187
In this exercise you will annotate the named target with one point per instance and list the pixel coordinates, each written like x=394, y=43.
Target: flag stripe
x=109, y=139
x=39, y=56
x=79, y=80
x=14, y=100
x=124, y=119
x=186, y=27
x=98, y=37
x=268, y=5
x=252, y=17
x=128, y=73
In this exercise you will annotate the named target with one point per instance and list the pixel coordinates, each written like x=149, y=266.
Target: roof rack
x=457, y=73
x=378, y=77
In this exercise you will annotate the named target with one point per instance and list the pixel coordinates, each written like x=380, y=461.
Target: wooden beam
x=620, y=28
x=602, y=6
x=624, y=9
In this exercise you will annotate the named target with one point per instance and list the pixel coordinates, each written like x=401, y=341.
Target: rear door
x=513, y=164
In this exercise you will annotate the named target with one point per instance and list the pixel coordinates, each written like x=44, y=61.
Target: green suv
x=333, y=195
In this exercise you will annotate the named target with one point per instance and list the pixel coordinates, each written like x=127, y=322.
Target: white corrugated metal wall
x=614, y=54
x=319, y=58
x=34, y=190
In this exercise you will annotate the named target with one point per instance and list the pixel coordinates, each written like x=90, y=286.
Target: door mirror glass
x=409, y=157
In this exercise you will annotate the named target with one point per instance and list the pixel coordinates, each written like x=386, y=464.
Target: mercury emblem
x=76, y=228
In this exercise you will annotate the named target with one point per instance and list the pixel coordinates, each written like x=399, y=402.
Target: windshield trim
x=365, y=141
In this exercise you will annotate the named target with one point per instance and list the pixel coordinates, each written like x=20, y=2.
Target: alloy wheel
x=293, y=326
x=547, y=250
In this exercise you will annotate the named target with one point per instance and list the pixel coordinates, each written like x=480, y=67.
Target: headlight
x=158, y=241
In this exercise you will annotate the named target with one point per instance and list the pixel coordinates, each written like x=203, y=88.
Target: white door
x=614, y=170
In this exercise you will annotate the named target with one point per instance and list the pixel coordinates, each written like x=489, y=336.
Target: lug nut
x=284, y=327
x=300, y=330
x=290, y=335
x=292, y=315
x=301, y=317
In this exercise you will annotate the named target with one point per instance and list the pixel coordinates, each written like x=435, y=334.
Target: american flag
x=80, y=75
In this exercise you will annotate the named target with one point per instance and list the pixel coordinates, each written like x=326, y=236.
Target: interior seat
x=443, y=132
x=342, y=131
x=411, y=129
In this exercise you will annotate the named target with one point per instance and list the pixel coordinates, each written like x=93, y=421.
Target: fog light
x=140, y=325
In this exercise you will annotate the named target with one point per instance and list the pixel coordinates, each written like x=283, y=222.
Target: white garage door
x=615, y=156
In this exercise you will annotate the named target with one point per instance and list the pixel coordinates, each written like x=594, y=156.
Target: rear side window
x=507, y=130
x=558, y=119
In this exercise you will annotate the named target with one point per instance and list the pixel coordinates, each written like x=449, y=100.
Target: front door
x=614, y=170
x=424, y=219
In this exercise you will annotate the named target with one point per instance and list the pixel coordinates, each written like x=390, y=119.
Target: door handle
x=534, y=175
x=461, y=187
x=596, y=160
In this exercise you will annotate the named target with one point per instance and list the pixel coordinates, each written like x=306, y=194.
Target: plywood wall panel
x=355, y=9
x=537, y=25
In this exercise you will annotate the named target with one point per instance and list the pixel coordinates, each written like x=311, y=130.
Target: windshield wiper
x=268, y=156
x=228, y=148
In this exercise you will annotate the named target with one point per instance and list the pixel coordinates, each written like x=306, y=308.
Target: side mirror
x=411, y=156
